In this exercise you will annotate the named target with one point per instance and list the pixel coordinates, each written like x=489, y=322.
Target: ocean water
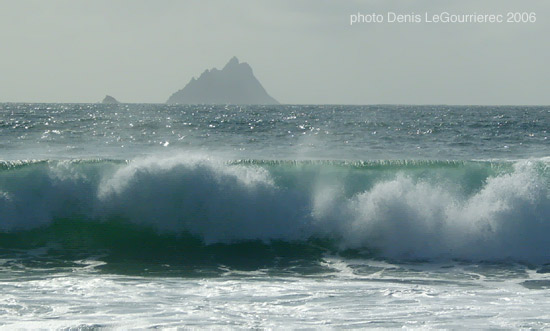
x=146, y=215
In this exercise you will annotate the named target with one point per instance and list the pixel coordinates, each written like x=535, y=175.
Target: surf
x=410, y=209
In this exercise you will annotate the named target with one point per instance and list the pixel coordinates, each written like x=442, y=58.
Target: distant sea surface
x=147, y=215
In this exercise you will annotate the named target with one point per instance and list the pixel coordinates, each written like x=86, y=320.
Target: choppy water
x=302, y=216
x=53, y=131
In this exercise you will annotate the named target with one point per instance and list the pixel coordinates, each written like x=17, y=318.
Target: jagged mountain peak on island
x=232, y=62
x=109, y=100
x=235, y=83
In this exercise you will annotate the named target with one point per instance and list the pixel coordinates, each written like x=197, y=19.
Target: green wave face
x=126, y=248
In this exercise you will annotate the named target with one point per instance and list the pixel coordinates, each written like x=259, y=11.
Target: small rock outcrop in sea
x=234, y=84
x=109, y=100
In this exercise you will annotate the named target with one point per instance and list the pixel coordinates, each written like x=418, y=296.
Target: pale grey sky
x=302, y=51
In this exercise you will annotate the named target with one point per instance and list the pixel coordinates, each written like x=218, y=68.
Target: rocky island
x=109, y=100
x=234, y=84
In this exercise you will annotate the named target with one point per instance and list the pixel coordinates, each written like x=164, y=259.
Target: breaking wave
x=472, y=210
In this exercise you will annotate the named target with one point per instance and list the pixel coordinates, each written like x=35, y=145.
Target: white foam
x=508, y=218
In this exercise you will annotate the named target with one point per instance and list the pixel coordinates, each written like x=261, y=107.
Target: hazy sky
x=302, y=51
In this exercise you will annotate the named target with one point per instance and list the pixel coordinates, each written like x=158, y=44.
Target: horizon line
x=283, y=104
